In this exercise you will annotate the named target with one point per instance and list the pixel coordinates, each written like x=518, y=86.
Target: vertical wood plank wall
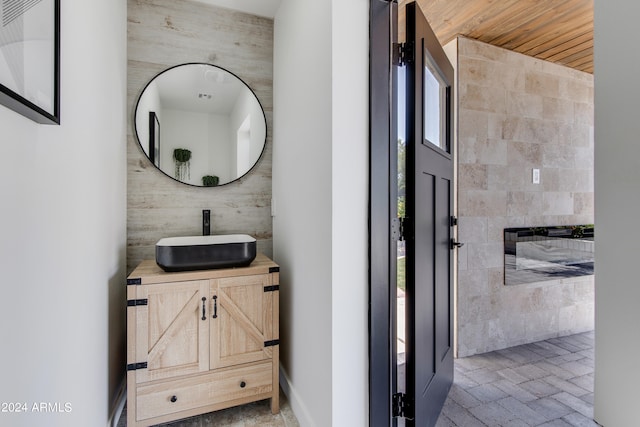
x=164, y=33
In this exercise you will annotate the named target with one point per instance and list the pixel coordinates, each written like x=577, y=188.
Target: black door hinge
x=400, y=406
x=272, y=288
x=403, y=54
x=396, y=229
x=400, y=228
x=406, y=228
x=137, y=302
x=271, y=343
x=136, y=366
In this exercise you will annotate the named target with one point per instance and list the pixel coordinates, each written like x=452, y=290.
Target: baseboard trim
x=120, y=400
x=298, y=407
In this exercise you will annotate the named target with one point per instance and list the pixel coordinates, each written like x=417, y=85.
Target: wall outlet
x=536, y=176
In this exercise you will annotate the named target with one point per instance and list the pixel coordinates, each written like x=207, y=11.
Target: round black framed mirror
x=200, y=124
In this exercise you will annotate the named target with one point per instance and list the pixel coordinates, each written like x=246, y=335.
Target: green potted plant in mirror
x=210, y=180
x=181, y=158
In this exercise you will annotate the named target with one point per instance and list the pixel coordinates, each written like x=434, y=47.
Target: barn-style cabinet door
x=244, y=319
x=172, y=329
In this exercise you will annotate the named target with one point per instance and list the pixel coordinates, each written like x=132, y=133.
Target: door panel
x=429, y=204
x=243, y=320
x=171, y=335
x=443, y=301
x=421, y=285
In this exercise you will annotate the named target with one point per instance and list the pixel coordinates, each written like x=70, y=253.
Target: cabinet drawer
x=219, y=386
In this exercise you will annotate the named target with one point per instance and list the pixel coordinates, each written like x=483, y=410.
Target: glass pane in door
x=434, y=101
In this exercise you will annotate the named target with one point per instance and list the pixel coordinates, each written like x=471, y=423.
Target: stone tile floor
x=256, y=414
x=547, y=383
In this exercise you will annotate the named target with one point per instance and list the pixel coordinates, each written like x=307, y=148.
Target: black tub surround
x=537, y=254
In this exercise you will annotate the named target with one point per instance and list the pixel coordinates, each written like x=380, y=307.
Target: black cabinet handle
x=174, y=399
x=243, y=384
x=215, y=307
x=204, y=310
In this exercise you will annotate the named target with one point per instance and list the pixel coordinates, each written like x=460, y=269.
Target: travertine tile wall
x=517, y=113
x=164, y=33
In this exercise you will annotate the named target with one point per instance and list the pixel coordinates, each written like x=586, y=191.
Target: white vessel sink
x=205, y=252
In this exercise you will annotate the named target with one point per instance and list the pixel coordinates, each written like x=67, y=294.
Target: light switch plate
x=536, y=176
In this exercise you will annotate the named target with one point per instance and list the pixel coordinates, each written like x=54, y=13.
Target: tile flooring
x=256, y=414
x=547, y=383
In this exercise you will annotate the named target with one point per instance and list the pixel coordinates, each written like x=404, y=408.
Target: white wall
x=320, y=189
x=350, y=212
x=193, y=131
x=246, y=105
x=302, y=196
x=617, y=206
x=221, y=148
x=62, y=251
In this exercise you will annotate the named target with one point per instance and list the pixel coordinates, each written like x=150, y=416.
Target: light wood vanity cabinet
x=200, y=341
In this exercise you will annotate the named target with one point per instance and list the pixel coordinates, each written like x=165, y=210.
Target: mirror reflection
x=200, y=124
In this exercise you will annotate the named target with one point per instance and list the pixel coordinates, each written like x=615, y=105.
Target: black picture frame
x=154, y=139
x=31, y=89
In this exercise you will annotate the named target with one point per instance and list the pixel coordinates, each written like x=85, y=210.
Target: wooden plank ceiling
x=559, y=31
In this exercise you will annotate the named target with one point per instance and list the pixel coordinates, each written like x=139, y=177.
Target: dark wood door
x=429, y=295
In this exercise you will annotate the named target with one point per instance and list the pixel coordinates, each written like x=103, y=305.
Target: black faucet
x=206, y=222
